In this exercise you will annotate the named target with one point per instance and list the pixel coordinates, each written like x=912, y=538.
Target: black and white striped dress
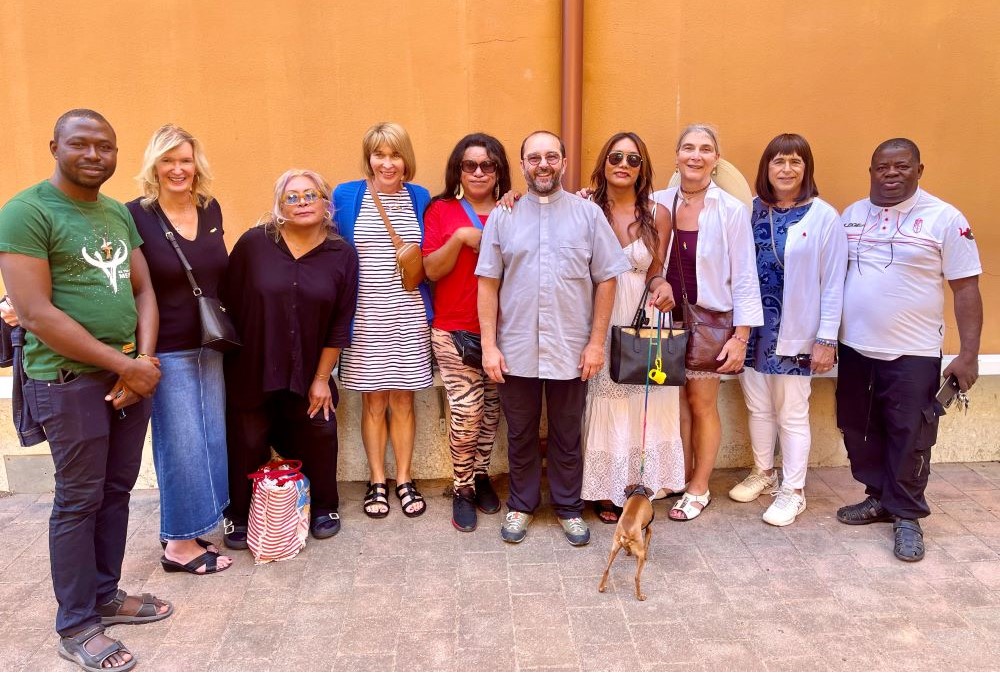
x=391, y=344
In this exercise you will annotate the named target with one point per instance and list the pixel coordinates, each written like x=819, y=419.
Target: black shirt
x=180, y=325
x=287, y=311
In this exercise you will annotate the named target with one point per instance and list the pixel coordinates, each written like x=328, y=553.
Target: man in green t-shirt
x=71, y=262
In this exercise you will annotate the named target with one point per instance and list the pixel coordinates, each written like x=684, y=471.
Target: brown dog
x=632, y=533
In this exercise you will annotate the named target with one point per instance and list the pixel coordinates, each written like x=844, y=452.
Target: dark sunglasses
x=489, y=166
x=633, y=159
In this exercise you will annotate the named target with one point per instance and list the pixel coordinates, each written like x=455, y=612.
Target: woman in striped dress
x=390, y=352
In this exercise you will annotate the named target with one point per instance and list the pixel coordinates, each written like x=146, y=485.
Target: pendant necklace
x=106, y=240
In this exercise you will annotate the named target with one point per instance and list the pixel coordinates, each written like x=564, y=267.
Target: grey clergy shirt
x=548, y=253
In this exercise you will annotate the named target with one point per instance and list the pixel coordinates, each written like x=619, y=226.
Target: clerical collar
x=550, y=198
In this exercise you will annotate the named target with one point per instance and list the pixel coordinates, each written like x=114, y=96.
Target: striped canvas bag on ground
x=279, y=511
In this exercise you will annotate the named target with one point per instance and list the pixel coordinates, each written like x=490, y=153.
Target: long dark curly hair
x=453, y=171
x=643, y=190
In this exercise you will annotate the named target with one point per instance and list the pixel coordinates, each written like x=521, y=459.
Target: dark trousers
x=521, y=399
x=282, y=422
x=889, y=416
x=96, y=454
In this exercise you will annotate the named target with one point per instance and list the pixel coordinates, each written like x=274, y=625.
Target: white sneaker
x=756, y=483
x=785, y=507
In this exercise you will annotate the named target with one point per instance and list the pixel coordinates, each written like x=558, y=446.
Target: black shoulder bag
x=217, y=330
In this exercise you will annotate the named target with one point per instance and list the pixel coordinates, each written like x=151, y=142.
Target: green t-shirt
x=95, y=291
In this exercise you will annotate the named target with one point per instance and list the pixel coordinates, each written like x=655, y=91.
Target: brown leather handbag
x=708, y=330
x=409, y=259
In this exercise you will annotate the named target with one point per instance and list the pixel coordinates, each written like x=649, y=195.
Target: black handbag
x=217, y=330
x=469, y=347
x=642, y=354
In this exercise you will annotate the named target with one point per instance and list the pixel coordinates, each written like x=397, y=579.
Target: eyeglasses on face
x=633, y=159
x=295, y=198
x=489, y=166
x=552, y=158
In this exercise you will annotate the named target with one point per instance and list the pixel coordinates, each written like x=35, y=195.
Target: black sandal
x=377, y=494
x=209, y=559
x=74, y=648
x=234, y=533
x=408, y=494
x=909, y=540
x=869, y=510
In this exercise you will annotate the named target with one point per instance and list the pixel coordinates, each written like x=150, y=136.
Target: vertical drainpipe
x=572, y=90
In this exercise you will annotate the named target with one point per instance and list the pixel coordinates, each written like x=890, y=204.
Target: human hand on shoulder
x=508, y=200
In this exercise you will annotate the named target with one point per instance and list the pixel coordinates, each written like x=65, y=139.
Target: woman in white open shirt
x=715, y=243
x=801, y=263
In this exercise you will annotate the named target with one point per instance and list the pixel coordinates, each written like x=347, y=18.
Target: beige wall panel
x=268, y=86
x=847, y=75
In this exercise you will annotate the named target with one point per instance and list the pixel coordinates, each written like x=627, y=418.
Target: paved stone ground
x=726, y=592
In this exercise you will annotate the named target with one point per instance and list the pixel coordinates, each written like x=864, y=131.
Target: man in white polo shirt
x=902, y=243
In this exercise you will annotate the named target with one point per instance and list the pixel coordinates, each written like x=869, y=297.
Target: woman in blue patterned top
x=801, y=263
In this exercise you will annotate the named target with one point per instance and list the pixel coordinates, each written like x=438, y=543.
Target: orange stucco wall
x=268, y=86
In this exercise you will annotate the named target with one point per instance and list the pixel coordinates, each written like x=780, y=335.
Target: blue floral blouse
x=763, y=340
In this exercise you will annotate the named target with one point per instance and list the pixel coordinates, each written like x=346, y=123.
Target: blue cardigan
x=347, y=204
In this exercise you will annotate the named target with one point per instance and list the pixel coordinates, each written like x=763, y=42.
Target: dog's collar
x=637, y=488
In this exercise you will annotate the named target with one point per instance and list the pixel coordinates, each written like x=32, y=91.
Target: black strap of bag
x=217, y=330
x=177, y=248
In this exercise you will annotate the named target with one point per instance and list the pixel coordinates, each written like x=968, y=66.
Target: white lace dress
x=613, y=421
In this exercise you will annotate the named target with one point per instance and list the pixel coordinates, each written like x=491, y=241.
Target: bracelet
x=141, y=356
x=829, y=343
x=323, y=377
x=740, y=339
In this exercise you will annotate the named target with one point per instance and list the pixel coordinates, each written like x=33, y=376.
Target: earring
x=460, y=194
x=328, y=216
x=280, y=221
x=496, y=191
x=715, y=171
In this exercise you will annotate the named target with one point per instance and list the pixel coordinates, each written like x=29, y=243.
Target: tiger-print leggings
x=475, y=410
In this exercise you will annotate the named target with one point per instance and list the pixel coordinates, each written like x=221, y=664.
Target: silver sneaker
x=514, y=526
x=576, y=531
x=785, y=507
x=756, y=483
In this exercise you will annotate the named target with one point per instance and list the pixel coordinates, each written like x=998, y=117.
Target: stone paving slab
x=726, y=592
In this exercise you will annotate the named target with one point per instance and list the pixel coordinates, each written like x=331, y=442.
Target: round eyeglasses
x=295, y=198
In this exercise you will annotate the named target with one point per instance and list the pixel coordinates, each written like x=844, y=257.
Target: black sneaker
x=486, y=498
x=463, y=509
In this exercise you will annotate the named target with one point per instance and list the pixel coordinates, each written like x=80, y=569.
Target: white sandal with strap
x=690, y=506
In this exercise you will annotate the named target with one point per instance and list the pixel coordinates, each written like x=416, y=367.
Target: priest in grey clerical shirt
x=547, y=272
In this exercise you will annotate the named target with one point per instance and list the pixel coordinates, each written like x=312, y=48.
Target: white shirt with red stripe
x=898, y=257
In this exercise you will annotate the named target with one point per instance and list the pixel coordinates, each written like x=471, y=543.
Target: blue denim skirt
x=189, y=443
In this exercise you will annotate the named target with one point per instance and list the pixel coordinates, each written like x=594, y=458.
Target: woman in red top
x=477, y=173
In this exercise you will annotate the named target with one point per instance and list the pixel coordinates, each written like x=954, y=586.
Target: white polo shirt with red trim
x=898, y=257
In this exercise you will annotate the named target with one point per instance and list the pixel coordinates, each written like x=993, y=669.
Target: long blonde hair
x=165, y=139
